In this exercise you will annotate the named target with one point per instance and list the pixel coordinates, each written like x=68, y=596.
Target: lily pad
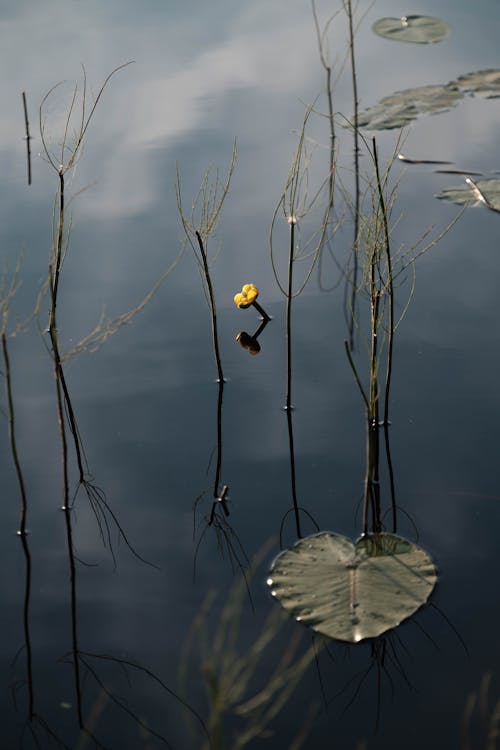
x=351, y=591
x=417, y=29
x=402, y=107
x=486, y=83
x=481, y=192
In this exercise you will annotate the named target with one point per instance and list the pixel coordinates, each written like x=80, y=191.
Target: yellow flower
x=247, y=296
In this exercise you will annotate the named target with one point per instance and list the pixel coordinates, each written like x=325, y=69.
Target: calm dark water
x=146, y=401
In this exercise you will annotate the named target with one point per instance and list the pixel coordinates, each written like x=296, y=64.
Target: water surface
x=146, y=402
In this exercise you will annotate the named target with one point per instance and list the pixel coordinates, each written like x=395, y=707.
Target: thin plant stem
x=348, y=6
x=12, y=437
x=22, y=525
x=374, y=423
x=332, y=135
x=213, y=310
x=261, y=310
x=356, y=375
x=58, y=255
x=72, y=423
x=329, y=95
x=84, y=122
x=70, y=547
x=288, y=332
x=288, y=399
x=348, y=9
x=54, y=276
x=27, y=136
x=218, y=466
x=296, y=509
x=372, y=484
x=390, y=342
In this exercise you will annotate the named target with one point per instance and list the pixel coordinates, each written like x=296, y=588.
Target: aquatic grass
x=363, y=602
x=481, y=718
x=233, y=685
x=382, y=268
x=378, y=284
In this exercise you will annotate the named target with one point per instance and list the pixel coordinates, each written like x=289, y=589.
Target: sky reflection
x=205, y=73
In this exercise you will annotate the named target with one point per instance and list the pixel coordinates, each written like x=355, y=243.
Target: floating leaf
x=351, y=591
x=417, y=29
x=407, y=160
x=481, y=192
x=401, y=108
x=458, y=171
x=484, y=82
x=434, y=162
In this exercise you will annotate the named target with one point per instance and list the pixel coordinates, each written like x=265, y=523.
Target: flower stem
x=261, y=310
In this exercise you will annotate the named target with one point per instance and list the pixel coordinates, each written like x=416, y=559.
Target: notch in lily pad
x=248, y=297
x=415, y=29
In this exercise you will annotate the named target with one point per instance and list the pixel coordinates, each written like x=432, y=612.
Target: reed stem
x=348, y=8
x=22, y=524
x=27, y=136
x=390, y=334
x=213, y=309
x=288, y=331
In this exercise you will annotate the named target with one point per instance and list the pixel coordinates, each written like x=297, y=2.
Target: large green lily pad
x=352, y=591
x=481, y=192
x=417, y=29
